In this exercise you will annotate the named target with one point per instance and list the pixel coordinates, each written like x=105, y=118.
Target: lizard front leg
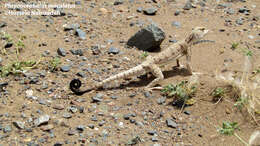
x=188, y=61
x=156, y=71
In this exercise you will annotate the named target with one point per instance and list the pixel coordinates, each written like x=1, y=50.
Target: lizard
x=151, y=64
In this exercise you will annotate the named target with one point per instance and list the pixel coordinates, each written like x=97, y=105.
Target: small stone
x=161, y=100
x=8, y=45
x=113, y=50
x=81, y=34
x=139, y=9
x=150, y=11
x=151, y=132
x=7, y=129
x=58, y=106
x=154, y=139
x=77, y=52
x=251, y=37
x=187, y=112
x=97, y=98
x=3, y=24
x=177, y=12
x=19, y=124
x=176, y=24
x=147, y=94
x=65, y=68
x=67, y=115
x=118, y=2
x=73, y=109
x=81, y=74
x=68, y=27
x=42, y=120
x=80, y=128
x=101, y=123
x=240, y=21
x=171, y=123
x=127, y=116
x=187, y=6
x=61, y=52
x=47, y=127
x=230, y=11
x=91, y=126
x=72, y=132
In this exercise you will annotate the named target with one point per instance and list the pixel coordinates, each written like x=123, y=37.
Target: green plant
x=182, y=92
x=6, y=36
x=19, y=46
x=218, y=93
x=241, y=102
x=16, y=67
x=144, y=55
x=54, y=63
x=228, y=128
x=234, y=46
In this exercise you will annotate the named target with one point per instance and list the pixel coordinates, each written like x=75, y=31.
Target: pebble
x=118, y=2
x=77, y=52
x=58, y=106
x=68, y=27
x=65, y=68
x=161, y=100
x=19, y=124
x=113, y=50
x=7, y=129
x=176, y=24
x=81, y=34
x=150, y=11
x=61, y=52
x=67, y=115
x=240, y=21
x=171, y=123
x=42, y=120
x=97, y=98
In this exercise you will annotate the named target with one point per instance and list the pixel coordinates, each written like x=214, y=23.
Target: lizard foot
x=150, y=89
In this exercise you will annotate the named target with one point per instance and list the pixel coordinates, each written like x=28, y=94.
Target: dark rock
x=91, y=126
x=187, y=112
x=81, y=34
x=127, y=116
x=80, y=128
x=77, y=52
x=101, y=123
x=118, y=2
x=150, y=11
x=61, y=52
x=151, y=132
x=171, y=123
x=77, y=3
x=173, y=41
x=3, y=24
x=147, y=94
x=243, y=10
x=58, y=144
x=113, y=50
x=8, y=45
x=81, y=74
x=41, y=120
x=148, y=38
x=65, y=68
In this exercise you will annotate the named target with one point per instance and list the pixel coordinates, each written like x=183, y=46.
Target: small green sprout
x=228, y=128
x=54, y=63
x=234, y=46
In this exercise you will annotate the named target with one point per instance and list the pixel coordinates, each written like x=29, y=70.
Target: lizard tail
x=75, y=84
x=122, y=75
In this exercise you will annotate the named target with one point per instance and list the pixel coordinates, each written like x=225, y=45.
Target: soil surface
x=38, y=108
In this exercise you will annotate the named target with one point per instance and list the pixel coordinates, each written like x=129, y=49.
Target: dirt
x=147, y=121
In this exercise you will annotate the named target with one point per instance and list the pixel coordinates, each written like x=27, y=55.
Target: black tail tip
x=75, y=84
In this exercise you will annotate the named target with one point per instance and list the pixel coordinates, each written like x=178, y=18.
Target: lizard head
x=196, y=34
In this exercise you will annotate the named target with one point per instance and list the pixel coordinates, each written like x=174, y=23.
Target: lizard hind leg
x=156, y=71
